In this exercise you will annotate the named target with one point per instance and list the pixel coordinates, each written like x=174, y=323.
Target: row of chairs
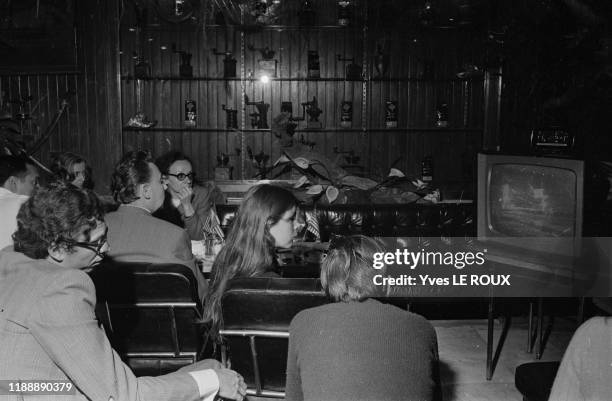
x=152, y=316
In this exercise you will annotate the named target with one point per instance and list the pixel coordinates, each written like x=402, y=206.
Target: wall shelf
x=174, y=129
x=312, y=130
x=253, y=28
x=303, y=79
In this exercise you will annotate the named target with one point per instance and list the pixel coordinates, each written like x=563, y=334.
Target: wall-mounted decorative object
x=259, y=119
x=314, y=68
x=259, y=162
x=283, y=125
x=391, y=114
x=312, y=109
x=229, y=63
x=223, y=171
x=381, y=61
x=185, y=68
x=344, y=12
x=346, y=114
x=175, y=11
x=442, y=115
x=307, y=14
x=191, y=113
x=231, y=117
x=352, y=70
x=267, y=63
x=427, y=169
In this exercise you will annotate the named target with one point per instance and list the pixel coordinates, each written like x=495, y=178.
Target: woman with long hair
x=264, y=221
x=188, y=204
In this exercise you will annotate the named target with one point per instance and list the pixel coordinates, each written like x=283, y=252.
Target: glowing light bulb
x=264, y=79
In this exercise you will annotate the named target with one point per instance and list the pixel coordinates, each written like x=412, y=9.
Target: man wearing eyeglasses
x=49, y=334
x=188, y=204
x=134, y=234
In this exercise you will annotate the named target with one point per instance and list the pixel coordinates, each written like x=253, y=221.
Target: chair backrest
x=151, y=314
x=256, y=316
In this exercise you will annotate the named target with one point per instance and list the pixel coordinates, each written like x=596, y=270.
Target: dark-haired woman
x=265, y=221
x=186, y=204
x=358, y=348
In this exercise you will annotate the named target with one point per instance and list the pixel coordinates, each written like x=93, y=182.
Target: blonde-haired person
x=265, y=221
x=358, y=348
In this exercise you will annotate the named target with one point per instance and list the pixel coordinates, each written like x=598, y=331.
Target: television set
x=530, y=205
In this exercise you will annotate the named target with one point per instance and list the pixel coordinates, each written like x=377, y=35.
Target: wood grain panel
x=421, y=75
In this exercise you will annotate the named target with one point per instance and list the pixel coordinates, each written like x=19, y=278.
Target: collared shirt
x=10, y=203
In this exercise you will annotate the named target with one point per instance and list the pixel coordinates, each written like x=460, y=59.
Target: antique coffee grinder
x=346, y=114
x=353, y=71
x=283, y=125
x=259, y=119
x=185, y=68
x=314, y=67
x=344, y=12
x=229, y=63
x=231, y=117
x=312, y=109
x=223, y=171
x=391, y=114
x=381, y=61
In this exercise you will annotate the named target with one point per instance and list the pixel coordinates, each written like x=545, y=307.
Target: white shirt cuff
x=208, y=383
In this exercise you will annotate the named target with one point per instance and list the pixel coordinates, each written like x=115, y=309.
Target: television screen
x=529, y=200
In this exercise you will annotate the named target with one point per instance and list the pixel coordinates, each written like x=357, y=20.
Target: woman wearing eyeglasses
x=186, y=204
x=358, y=348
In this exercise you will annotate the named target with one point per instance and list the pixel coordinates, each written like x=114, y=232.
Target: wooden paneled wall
x=421, y=75
x=91, y=124
x=47, y=90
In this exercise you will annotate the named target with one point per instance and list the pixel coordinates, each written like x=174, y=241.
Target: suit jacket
x=48, y=331
x=136, y=236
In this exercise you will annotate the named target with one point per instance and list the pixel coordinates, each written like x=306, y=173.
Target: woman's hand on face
x=184, y=195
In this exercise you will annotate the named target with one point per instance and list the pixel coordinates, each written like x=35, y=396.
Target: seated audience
x=585, y=372
x=134, y=235
x=264, y=221
x=48, y=328
x=359, y=348
x=188, y=205
x=18, y=178
x=72, y=168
